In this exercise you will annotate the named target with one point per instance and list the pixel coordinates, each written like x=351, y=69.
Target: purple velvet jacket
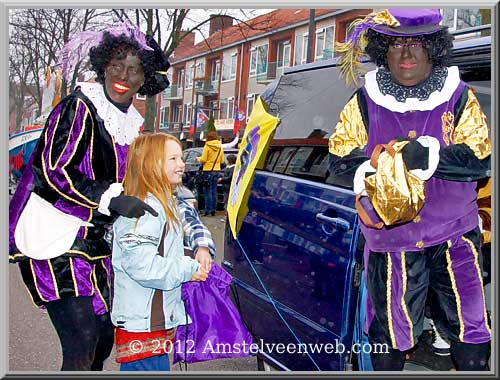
x=74, y=162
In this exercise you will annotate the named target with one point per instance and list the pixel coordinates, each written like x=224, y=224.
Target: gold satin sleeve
x=350, y=131
x=472, y=128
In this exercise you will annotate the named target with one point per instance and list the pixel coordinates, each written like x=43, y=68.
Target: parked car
x=193, y=168
x=297, y=264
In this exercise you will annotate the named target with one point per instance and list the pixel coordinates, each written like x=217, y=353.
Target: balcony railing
x=172, y=92
x=206, y=87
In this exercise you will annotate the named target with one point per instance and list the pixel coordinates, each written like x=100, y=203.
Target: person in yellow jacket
x=212, y=157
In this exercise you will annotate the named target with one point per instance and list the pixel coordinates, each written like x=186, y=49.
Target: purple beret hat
x=413, y=22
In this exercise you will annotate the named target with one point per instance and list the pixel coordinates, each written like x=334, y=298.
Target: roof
x=247, y=30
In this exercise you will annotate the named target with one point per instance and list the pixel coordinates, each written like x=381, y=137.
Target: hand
x=199, y=275
x=130, y=207
x=204, y=258
x=415, y=155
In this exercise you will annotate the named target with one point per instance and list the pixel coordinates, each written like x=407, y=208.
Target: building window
x=234, y=61
x=258, y=60
x=461, y=18
x=324, y=43
x=283, y=54
x=189, y=76
x=214, y=77
x=214, y=107
x=164, y=111
x=177, y=110
x=226, y=108
x=250, y=103
x=187, y=114
x=180, y=80
x=303, y=57
x=200, y=70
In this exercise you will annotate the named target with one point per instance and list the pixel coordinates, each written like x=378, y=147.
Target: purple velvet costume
x=450, y=211
x=74, y=163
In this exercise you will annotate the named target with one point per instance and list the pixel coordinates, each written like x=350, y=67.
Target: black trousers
x=86, y=338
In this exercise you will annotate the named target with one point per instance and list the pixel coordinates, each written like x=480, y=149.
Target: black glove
x=415, y=155
x=130, y=207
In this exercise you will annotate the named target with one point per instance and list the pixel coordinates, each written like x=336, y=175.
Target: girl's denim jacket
x=139, y=270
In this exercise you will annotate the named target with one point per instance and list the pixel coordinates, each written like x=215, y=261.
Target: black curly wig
x=152, y=61
x=438, y=47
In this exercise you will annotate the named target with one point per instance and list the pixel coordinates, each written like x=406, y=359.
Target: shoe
x=212, y=213
x=440, y=346
x=206, y=214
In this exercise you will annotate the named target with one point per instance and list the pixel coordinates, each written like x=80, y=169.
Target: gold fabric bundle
x=396, y=194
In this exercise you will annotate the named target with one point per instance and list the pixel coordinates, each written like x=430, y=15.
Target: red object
x=236, y=126
x=132, y=346
x=32, y=127
x=191, y=128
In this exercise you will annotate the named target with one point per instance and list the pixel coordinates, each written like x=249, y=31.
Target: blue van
x=297, y=264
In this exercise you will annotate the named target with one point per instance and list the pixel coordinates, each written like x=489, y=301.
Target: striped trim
x=455, y=291
x=75, y=283
x=388, y=296
x=403, y=303
x=479, y=275
x=86, y=255
x=96, y=287
x=35, y=282
x=56, y=287
x=63, y=168
x=52, y=140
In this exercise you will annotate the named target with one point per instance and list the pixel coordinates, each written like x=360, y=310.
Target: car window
x=283, y=160
x=190, y=157
x=272, y=157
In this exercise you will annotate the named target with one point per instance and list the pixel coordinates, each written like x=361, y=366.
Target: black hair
x=117, y=47
x=231, y=158
x=438, y=46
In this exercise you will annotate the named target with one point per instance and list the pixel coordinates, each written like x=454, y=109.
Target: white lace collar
x=124, y=127
x=412, y=104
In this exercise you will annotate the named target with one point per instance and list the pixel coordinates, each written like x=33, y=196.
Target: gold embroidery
x=480, y=277
x=420, y=244
x=388, y=296
x=35, y=282
x=412, y=134
x=403, y=303
x=447, y=118
x=97, y=289
x=455, y=291
x=417, y=219
x=73, y=276
x=472, y=128
x=350, y=131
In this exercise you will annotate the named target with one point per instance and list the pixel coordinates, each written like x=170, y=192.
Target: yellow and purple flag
x=251, y=156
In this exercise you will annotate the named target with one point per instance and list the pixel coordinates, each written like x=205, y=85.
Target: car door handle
x=336, y=222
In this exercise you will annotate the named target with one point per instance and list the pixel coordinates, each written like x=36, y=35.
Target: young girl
x=148, y=258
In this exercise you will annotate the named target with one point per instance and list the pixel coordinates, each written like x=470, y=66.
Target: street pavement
x=34, y=345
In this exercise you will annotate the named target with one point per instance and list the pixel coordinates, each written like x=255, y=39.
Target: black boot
x=394, y=360
x=470, y=357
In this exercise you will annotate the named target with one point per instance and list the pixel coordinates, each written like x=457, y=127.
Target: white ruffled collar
x=123, y=127
x=412, y=104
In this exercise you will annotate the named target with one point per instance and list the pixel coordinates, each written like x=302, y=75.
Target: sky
x=196, y=15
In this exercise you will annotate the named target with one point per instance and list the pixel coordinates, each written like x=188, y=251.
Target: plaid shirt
x=195, y=233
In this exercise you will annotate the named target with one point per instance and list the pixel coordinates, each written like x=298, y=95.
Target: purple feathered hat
x=412, y=22
x=78, y=47
x=393, y=22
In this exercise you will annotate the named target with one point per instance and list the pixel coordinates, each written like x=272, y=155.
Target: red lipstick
x=120, y=88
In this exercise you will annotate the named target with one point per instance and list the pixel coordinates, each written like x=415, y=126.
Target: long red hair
x=145, y=171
